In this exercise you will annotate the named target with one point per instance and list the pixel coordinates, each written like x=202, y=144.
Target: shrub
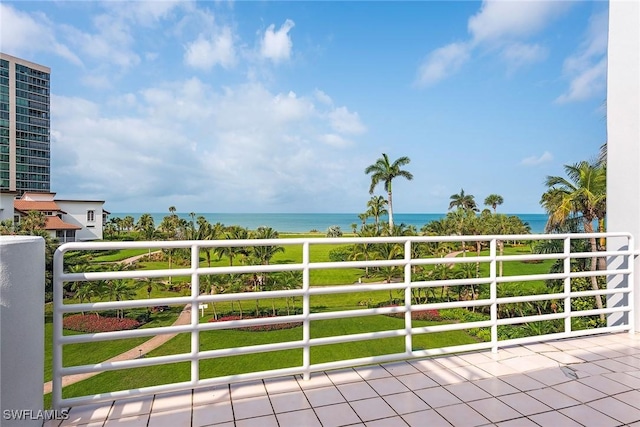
x=92, y=323
x=258, y=328
x=431, y=315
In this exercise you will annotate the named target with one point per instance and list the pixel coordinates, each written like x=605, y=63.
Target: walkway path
x=183, y=319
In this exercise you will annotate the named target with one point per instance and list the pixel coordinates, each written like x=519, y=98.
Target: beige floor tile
x=437, y=397
x=522, y=382
x=553, y=398
x=306, y=418
x=495, y=386
x=518, y=422
x=343, y=376
x=524, y=403
x=425, y=418
x=385, y=386
x=579, y=391
x=281, y=385
x=372, y=372
x=337, y=415
x=404, y=403
x=172, y=401
x=631, y=398
x=317, y=380
x=264, y=421
x=357, y=391
x=494, y=410
x=210, y=395
x=248, y=389
x=324, y=396
x=133, y=421
x=252, y=407
x=417, y=381
x=554, y=419
x=588, y=416
x=88, y=413
x=471, y=373
x=287, y=402
x=604, y=384
x=462, y=415
x=617, y=410
x=445, y=377
x=372, y=409
x=401, y=368
x=213, y=413
x=467, y=391
x=129, y=408
x=173, y=417
x=549, y=376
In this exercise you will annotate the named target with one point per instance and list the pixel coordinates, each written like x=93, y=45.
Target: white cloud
x=442, y=62
x=23, y=34
x=546, y=157
x=346, y=122
x=243, y=145
x=521, y=54
x=206, y=52
x=587, y=67
x=501, y=19
x=499, y=26
x=323, y=97
x=276, y=45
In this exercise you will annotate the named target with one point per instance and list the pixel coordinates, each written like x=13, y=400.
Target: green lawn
x=95, y=352
x=142, y=377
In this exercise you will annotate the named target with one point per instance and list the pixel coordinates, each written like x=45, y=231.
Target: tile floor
x=592, y=381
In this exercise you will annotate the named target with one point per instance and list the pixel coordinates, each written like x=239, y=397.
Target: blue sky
x=280, y=106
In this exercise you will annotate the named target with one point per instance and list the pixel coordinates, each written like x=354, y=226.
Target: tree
x=35, y=220
x=334, y=231
x=384, y=171
x=464, y=201
x=582, y=194
x=376, y=209
x=493, y=200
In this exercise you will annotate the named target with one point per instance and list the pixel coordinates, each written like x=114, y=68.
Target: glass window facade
x=24, y=98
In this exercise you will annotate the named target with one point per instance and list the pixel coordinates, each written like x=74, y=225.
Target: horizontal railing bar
x=451, y=327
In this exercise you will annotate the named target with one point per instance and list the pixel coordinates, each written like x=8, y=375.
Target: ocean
x=305, y=222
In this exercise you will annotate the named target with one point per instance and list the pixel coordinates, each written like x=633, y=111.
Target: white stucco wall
x=6, y=206
x=623, y=135
x=21, y=326
x=76, y=213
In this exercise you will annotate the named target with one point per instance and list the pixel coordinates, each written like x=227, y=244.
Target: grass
x=121, y=255
x=148, y=376
x=126, y=379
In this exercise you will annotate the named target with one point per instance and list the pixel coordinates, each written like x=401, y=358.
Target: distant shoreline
x=306, y=222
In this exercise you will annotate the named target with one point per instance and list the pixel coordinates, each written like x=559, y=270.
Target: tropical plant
x=376, y=209
x=385, y=171
x=464, y=201
x=493, y=200
x=581, y=194
x=334, y=231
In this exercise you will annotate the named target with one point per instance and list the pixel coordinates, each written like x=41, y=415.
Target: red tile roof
x=55, y=223
x=28, y=205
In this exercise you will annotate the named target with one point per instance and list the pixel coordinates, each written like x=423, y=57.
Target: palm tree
x=582, y=194
x=363, y=217
x=384, y=171
x=493, y=200
x=35, y=220
x=376, y=209
x=464, y=201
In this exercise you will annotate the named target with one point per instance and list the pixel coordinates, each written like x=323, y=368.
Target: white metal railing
x=195, y=328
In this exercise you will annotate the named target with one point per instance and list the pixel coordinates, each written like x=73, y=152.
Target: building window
x=91, y=216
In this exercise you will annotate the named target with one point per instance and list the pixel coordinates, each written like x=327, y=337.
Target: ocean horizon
x=305, y=222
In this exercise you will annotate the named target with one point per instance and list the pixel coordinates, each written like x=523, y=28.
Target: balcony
x=582, y=375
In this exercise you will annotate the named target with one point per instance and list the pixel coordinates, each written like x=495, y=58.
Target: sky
x=266, y=106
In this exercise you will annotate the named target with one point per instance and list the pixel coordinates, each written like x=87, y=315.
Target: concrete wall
x=21, y=327
x=623, y=137
x=6, y=206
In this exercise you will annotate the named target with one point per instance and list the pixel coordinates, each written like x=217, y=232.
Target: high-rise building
x=25, y=154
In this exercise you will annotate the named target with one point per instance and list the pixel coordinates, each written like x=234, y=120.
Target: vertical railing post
x=630, y=281
x=195, y=311
x=306, y=310
x=493, y=294
x=408, y=338
x=56, y=351
x=567, y=284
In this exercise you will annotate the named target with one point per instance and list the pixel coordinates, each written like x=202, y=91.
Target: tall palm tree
x=384, y=171
x=464, y=201
x=493, y=200
x=376, y=209
x=582, y=194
